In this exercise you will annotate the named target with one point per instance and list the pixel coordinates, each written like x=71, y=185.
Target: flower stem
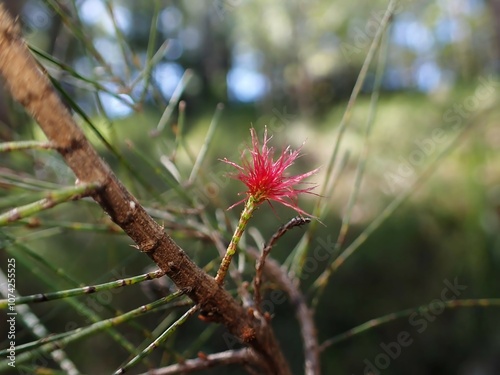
x=231, y=249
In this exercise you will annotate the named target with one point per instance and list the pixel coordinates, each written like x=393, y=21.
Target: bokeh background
x=291, y=66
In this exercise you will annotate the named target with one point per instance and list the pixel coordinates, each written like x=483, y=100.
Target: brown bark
x=30, y=86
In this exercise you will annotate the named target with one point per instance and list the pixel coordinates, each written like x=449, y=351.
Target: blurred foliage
x=291, y=66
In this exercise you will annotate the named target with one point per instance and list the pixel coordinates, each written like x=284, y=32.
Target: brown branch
x=275, y=272
x=242, y=356
x=30, y=86
x=261, y=261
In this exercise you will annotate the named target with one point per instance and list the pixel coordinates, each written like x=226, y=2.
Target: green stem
x=320, y=284
x=174, y=100
x=63, y=339
x=206, y=144
x=453, y=304
x=250, y=206
x=42, y=297
x=25, y=145
x=53, y=198
x=300, y=253
x=37, y=328
x=159, y=341
x=35, y=222
x=32, y=261
x=364, y=153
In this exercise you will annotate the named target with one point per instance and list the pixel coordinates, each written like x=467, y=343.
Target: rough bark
x=30, y=86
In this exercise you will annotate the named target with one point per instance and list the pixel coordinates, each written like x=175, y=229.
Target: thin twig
x=206, y=144
x=43, y=297
x=230, y=357
x=257, y=282
x=52, y=199
x=32, y=260
x=174, y=99
x=360, y=170
x=326, y=190
x=25, y=145
x=376, y=322
x=275, y=272
x=156, y=343
x=58, y=341
x=320, y=284
x=36, y=327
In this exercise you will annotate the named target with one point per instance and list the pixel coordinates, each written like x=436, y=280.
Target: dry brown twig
x=261, y=261
x=277, y=274
x=303, y=313
x=30, y=86
x=230, y=357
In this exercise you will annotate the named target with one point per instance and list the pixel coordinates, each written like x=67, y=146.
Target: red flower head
x=266, y=179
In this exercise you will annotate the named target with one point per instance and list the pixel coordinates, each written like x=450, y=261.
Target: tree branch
x=30, y=86
x=304, y=315
x=261, y=261
x=242, y=356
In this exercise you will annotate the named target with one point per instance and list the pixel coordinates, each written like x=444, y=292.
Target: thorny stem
x=246, y=214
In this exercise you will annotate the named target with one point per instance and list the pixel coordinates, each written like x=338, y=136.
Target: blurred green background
x=291, y=66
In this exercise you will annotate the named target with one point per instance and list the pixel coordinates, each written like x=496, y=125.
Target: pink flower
x=266, y=179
